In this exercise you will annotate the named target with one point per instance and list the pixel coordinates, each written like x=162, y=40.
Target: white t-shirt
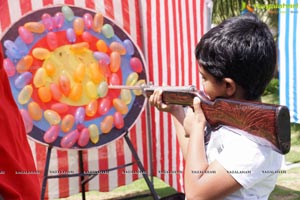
x=255, y=166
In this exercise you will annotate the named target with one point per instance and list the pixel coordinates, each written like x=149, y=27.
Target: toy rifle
x=268, y=121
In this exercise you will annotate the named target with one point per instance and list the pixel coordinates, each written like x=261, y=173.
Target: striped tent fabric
x=289, y=60
x=166, y=32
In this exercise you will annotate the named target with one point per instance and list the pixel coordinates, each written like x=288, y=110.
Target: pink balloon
x=104, y=106
x=114, y=79
x=9, y=67
x=88, y=20
x=58, y=20
x=52, y=40
x=84, y=137
x=28, y=124
x=70, y=139
x=47, y=21
x=136, y=64
x=51, y=134
x=118, y=120
x=87, y=37
x=25, y=35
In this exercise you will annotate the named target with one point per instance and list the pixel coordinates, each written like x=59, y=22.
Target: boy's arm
x=198, y=184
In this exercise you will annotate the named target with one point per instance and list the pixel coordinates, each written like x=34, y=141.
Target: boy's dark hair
x=241, y=48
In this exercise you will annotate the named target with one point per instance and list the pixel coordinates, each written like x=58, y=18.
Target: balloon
x=136, y=64
x=23, y=79
x=25, y=35
x=139, y=83
x=84, y=137
x=78, y=25
x=79, y=73
x=132, y=79
x=118, y=120
x=94, y=133
x=70, y=139
x=35, y=27
x=102, y=56
x=40, y=53
x=71, y=36
x=91, y=90
x=60, y=108
x=52, y=117
x=79, y=47
x=87, y=37
x=79, y=115
x=91, y=108
x=101, y=46
x=102, y=89
x=24, y=64
x=67, y=123
x=52, y=40
x=25, y=94
x=28, y=124
x=108, y=31
x=88, y=20
x=68, y=13
x=51, y=134
x=55, y=91
x=50, y=69
x=76, y=92
x=107, y=124
x=120, y=106
x=39, y=78
x=129, y=47
x=47, y=21
x=35, y=111
x=64, y=84
x=104, y=69
x=95, y=73
x=98, y=22
x=9, y=67
x=58, y=20
x=118, y=47
x=114, y=79
x=126, y=96
x=11, y=49
x=44, y=94
x=115, y=61
x=104, y=106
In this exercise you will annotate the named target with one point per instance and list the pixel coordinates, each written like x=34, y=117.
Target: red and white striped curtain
x=167, y=32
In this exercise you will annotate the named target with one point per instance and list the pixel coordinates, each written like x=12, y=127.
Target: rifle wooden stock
x=271, y=122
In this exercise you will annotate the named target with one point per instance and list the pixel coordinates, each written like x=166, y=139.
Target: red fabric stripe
x=103, y=165
x=85, y=169
x=40, y=153
x=181, y=63
x=120, y=161
x=4, y=15
x=90, y=4
x=109, y=9
x=63, y=166
x=138, y=25
x=25, y=6
x=70, y=2
x=189, y=46
x=196, y=38
x=134, y=143
x=47, y=2
x=202, y=16
x=125, y=14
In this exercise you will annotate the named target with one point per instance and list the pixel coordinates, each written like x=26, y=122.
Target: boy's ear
x=230, y=87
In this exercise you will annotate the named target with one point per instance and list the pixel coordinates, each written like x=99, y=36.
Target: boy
x=18, y=175
x=236, y=60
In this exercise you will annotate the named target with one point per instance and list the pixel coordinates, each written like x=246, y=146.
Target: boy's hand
x=195, y=120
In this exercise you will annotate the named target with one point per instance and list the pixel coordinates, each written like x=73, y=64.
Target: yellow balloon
x=95, y=73
x=94, y=133
x=40, y=77
x=139, y=83
x=126, y=96
x=52, y=117
x=102, y=89
x=120, y=106
x=91, y=90
x=25, y=94
x=40, y=53
x=132, y=79
x=79, y=73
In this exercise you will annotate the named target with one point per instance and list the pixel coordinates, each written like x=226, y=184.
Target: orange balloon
x=35, y=111
x=107, y=124
x=76, y=92
x=67, y=123
x=120, y=106
x=44, y=94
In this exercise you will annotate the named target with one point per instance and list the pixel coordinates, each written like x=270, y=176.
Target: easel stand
x=86, y=177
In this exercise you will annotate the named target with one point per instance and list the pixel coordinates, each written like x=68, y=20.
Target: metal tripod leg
x=141, y=167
